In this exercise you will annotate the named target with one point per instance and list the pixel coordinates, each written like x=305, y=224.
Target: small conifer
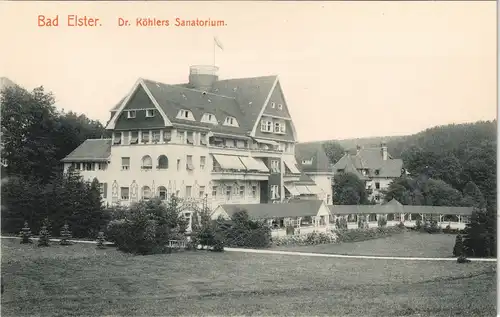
x=43, y=241
x=26, y=234
x=65, y=235
x=100, y=240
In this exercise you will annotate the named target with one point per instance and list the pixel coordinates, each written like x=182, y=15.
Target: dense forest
x=450, y=165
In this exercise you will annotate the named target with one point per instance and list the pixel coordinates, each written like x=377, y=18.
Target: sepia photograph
x=253, y=158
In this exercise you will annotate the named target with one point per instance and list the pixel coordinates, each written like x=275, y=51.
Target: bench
x=176, y=244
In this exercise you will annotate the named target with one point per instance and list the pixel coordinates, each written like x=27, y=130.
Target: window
x=131, y=114
x=118, y=138
x=274, y=192
x=372, y=217
x=203, y=162
x=231, y=121
x=189, y=163
x=124, y=193
x=283, y=127
x=180, y=137
x=273, y=105
x=102, y=166
x=209, y=118
x=162, y=162
x=156, y=136
x=125, y=164
x=254, y=191
x=228, y=192
x=214, y=191
x=242, y=191
x=146, y=192
x=101, y=189
x=277, y=126
x=88, y=166
x=150, y=113
x=162, y=193
x=280, y=106
x=134, y=138
x=203, y=139
x=147, y=163
x=266, y=126
x=167, y=136
x=275, y=166
x=202, y=191
x=145, y=136
x=178, y=164
x=377, y=185
x=190, y=138
x=126, y=138
x=188, y=191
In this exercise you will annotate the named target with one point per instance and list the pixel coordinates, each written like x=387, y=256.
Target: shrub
x=401, y=225
x=356, y=235
x=458, y=249
x=290, y=230
x=431, y=227
x=312, y=238
x=382, y=222
x=26, y=234
x=341, y=223
x=65, y=235
x=418, y=224
x=241, y=231
x=146, y=227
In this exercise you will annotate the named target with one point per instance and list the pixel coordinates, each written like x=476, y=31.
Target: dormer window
x=209, y=118
x=185, y=115
x=280, y=106
x=231, y=121
x=307, y=162
x=131, y=114
x=273, y=105
x=150, y=113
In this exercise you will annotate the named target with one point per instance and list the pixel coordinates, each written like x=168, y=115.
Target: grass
x=409, y=243
x=80, y=280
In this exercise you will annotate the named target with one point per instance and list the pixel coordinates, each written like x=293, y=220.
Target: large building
x=375, y=166
x=213, y=141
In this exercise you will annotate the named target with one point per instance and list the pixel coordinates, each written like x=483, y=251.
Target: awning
x=253, y=164
x=314, y=189
x=269, y=142
x=293, y=190
x=291, y=164
x=230, y=162
x=303, y=190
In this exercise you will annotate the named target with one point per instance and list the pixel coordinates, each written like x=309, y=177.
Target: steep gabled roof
x=372, y=160
x=172, y=98
x=316, y=152
x=92, y=150
x=298, y=208
x=241, y=98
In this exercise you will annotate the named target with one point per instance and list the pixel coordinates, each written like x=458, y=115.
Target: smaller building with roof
x=375, y=166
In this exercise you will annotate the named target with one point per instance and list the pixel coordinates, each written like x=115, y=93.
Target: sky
x=348, y=69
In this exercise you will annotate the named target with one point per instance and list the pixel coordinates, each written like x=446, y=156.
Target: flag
x=218, y=43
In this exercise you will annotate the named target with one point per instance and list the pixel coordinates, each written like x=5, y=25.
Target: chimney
x=383, y=150
x=202, y=77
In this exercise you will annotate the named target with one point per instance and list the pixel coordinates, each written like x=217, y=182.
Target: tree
x=472, y=196
x=348, y=189
x=480, y=234
x=27, y=120
x=334, y=151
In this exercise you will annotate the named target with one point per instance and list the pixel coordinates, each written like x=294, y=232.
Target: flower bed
x=355, y=235
x=312, y=238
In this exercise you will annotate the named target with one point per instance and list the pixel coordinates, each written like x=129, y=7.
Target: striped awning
x=293, y=190
x=314, y=189
x=254, y=164
x=291, y=163
x=269, y=142
x=303, y=190
x=230, y=162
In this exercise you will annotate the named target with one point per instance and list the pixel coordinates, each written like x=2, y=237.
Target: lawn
x=409, y=243
x=80, y=280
